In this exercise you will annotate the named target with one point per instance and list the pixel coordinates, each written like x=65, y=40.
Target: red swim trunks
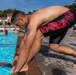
x=61, y=23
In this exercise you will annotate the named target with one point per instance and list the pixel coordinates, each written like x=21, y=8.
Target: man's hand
x=14, y=64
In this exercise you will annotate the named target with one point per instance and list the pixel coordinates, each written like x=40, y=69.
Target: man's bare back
x=45, y=15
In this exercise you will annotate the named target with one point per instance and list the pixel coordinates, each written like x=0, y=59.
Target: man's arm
x=21, y=45
x=23, y=40
x=19, y=50
x=26, y=48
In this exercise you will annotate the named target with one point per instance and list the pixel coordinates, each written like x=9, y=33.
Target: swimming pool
x=7, y=49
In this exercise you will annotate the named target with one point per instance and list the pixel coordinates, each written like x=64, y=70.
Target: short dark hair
x=16, y=14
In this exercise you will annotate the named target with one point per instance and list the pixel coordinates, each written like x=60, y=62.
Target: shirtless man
x=53, y=21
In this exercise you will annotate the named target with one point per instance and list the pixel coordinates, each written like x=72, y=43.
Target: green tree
x=29, y=12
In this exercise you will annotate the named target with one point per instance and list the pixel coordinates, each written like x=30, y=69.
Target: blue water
x=7, y=49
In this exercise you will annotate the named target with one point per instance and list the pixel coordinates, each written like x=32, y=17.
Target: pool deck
x=48, y=62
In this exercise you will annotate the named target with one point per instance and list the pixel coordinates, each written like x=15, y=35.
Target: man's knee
x=54, y=46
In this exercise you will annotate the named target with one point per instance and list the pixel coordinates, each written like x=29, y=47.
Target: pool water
x=7, y=49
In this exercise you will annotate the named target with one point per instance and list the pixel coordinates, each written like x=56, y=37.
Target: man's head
x=20, y=19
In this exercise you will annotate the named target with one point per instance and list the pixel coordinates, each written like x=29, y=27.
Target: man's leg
x=54, y=44
x=60, y=48
x=63, y=49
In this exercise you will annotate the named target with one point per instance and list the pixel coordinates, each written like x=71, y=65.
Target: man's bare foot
x=74, y=65
x=25, y=68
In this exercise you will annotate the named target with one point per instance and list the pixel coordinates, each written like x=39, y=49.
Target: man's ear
x=21, y=19
x=26, y=20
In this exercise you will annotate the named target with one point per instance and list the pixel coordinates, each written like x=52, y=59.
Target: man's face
x=21, y=23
